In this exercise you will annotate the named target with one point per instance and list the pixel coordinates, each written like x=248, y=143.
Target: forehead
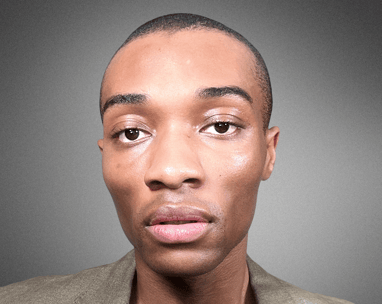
x=163, y=64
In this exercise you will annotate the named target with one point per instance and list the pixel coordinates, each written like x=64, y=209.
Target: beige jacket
x=112, y=284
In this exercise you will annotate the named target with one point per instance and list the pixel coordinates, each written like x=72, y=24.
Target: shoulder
x=73, y=288
x=272, y=290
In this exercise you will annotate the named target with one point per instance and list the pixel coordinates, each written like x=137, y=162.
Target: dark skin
x=184, y=148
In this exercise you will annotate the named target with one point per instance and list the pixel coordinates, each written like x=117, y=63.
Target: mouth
x=174, y=220
x=177, y=224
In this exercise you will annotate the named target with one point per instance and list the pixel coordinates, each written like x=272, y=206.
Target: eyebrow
x=123, y=99
x=223, y=91
x=206, y=93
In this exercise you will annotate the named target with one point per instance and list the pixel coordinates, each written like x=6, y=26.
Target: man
x=185, y=104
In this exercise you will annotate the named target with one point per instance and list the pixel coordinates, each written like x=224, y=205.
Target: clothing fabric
x=112, y=284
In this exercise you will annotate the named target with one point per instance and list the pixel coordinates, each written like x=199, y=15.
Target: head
x=185, y=104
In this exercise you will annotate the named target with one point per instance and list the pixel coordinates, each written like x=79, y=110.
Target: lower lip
x=183, y=233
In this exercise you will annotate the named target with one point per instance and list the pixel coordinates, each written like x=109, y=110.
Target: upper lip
x=178, y=213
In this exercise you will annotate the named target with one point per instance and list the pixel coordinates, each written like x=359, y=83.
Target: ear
x=100, y=145
x=271, y=138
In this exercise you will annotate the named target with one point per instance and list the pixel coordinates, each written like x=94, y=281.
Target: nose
x=174, y=162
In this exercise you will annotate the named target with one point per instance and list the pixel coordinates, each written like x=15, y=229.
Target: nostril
x=191, y=180
x=156, y=185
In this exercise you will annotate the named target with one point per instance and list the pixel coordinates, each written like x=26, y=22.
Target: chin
x=183, y=262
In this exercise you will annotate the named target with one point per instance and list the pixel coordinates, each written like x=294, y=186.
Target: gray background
x=319, y=219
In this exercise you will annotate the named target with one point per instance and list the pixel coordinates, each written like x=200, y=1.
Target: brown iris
x=221, y=127
x=132, y=134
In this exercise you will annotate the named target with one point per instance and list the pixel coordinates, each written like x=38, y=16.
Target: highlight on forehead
x=176, y=22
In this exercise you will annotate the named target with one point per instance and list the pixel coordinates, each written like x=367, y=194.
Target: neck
x=227, y=283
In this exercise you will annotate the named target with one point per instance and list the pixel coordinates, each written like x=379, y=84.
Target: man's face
x=183, y=152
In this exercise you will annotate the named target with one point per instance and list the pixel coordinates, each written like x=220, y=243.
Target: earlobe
x=100, y=144
x=272, y=139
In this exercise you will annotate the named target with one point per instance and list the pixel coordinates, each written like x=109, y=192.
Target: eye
x=222, y=127
x=130, y=135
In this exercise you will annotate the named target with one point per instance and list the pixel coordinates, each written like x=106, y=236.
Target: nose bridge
x=173, y=160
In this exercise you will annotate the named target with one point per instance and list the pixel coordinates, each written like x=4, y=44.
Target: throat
x=197, y=290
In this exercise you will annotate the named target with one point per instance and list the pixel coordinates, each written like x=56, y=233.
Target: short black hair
x=176, y=22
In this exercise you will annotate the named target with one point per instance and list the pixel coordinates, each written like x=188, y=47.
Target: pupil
x=221, y=127
x=132, y=134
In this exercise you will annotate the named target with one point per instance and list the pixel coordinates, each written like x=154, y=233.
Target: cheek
x=121, y=172
x=116, y=176
x=121, y=175
x=242, y=169
x=240, y=182
x=244, y=183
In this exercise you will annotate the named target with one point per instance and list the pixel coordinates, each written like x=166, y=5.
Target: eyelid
x=117, y=132
x=128, y=124
x=123, y=125
x=231, y=119
x=134, y=141
x=119, y=138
